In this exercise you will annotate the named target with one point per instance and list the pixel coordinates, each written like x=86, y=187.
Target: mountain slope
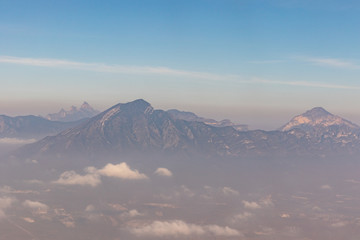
x=74, y=114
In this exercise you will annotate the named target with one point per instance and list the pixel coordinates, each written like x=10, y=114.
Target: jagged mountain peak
x=86, y=106
x=73, y=114
x=317, y=117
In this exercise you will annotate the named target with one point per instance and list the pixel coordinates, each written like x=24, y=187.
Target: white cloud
x=121, y=170
x=332, y=62
x=131, y=214
x=5, y=202
x=163, y=172
x=265, y=231
x=229, y=191
x=251, y=205
x=72, y=178
x=36, y=206
x=242, y=217
x=16, y=141
x=267, y=201
x=176, y=228
x=93, y=176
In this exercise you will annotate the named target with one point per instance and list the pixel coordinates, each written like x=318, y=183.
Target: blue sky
x=257, y=62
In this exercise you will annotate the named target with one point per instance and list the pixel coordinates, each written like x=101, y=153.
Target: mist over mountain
x=74, y=114
x=135, y=127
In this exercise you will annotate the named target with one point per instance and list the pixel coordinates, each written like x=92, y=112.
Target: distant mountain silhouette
x=27, y=127
x=74, y=114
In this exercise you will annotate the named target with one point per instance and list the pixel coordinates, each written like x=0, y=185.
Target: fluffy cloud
x=251, y=205
x=121, y=170
x=264, y=202
x=131, y=214
x=72, y=178
x=37, y=206
x=93, y=176
x=176, y=228
x=5, y=202
x=163, y=172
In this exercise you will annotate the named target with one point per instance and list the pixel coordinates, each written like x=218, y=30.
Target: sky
x=257, y=62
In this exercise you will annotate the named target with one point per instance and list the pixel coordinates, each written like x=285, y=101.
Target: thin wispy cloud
x=331, y=62
x=266, y=61
x=165, y=71
x=107, y=68
x=306, y=84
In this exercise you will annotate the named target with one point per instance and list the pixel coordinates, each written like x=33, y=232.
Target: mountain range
x=31, y=127
x=74, y=114
x=192, y=117
x=136, y=127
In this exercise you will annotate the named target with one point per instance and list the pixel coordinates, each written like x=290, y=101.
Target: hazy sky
x=257, y=62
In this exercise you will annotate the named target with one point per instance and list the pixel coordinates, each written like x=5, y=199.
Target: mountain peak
x=85, y=105
x=316, y=117
x=137, y=105
x=139, y=101
x=317, y=112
